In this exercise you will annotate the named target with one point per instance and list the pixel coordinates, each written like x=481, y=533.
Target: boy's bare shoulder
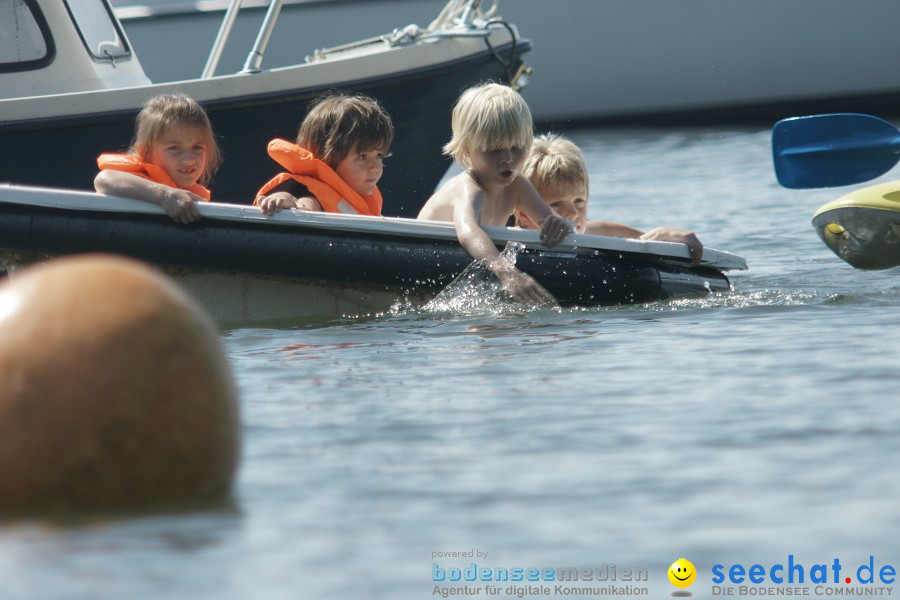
x=461, y=182
x=441, y=205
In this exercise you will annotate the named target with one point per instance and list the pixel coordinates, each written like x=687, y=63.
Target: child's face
x=361, y=170
x=499, y=166
x=571, y=203
x=182, y=153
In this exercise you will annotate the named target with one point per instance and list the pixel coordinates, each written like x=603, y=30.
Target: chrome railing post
x=254, y=59
x=224, y=32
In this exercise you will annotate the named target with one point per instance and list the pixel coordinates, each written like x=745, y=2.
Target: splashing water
x=477, y=291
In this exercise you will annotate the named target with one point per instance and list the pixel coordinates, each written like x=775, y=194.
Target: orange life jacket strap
x=130, y=163
x=332, y=192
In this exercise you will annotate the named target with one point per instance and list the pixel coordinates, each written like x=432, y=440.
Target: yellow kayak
x=863, y=227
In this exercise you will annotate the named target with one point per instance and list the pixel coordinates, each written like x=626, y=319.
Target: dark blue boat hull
x=390, y=261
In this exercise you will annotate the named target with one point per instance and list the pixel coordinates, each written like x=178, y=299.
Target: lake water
x=742, y=428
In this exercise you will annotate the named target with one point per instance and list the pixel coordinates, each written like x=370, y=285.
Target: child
x=173, y=149
x=556, y=167
x=492, y=133
x=336, y=162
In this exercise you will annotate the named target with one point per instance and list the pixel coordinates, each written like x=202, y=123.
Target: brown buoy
x=115, y=391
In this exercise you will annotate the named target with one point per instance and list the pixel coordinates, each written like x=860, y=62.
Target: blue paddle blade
x=833, y=150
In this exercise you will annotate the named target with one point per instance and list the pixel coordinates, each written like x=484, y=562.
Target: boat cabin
x=36, y=39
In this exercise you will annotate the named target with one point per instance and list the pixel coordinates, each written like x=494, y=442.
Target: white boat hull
x=240, y=299
x=615, y=59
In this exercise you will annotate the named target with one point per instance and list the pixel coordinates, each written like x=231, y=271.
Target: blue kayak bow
x=833, y=150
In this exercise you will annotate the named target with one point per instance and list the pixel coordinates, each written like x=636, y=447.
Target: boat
x=862, y=227
x=71, y=84
x=246, y=267
x=611, y=61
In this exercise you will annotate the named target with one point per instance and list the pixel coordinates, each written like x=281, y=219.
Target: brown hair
x=337, y=121
x=161, y=113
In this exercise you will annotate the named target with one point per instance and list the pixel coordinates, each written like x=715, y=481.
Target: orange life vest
x=133, y=164
x=520, y=219
x=332, y=192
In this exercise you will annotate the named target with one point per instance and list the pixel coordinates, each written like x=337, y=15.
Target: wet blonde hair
x=489, y=116
x=160, y=114
x=555, y=163
x=337, y=121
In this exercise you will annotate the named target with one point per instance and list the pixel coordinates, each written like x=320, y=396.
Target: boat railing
x=458, y=18
x=254, y=59
x=219, y=44
x=462, y=14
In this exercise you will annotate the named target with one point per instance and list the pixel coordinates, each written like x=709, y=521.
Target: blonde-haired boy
x=492, y=134
x=557, y=169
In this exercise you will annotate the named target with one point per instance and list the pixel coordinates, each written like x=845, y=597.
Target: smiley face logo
x=682, y=573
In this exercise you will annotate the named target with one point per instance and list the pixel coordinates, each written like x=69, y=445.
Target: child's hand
x=181, y=205
x=273, y=203
x=680, y=236
x=522, y=286
x=554, y=228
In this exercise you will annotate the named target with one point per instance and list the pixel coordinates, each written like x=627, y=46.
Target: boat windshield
x=25, y=42
x=98, y=29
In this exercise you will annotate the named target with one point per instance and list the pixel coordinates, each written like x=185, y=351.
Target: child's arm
x=479, y=245
x=276, y=201
x=553, y=227
x=179, y=204
x=660, y=234
x=611, y=229
x=681, y=236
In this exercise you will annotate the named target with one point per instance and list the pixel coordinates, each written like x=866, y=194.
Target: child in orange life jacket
x=173, y=149
x=556, y=167
x=336, y=162
x=492, y=133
